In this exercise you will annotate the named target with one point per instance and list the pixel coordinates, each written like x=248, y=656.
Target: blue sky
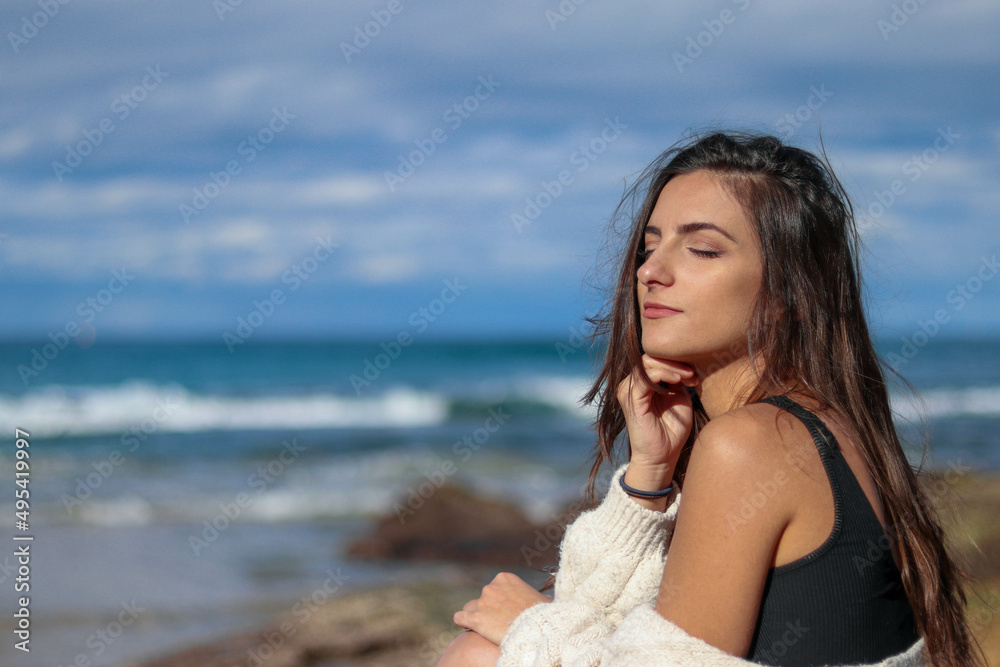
x=217, y=154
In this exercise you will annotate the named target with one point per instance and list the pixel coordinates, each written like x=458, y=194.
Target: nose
x=654, y=270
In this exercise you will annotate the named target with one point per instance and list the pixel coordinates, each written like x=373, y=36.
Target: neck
x=724, y=388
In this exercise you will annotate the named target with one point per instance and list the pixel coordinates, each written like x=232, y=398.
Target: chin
x=666, y=351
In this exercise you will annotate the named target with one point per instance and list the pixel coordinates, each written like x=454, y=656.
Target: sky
x=344, y=169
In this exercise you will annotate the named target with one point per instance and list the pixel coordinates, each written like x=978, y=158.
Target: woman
x=740, y=363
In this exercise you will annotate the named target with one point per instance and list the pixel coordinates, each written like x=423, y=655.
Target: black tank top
x=843, y=603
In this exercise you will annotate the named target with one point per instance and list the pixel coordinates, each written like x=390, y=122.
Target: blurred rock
x=394, y=626
x=454, y=524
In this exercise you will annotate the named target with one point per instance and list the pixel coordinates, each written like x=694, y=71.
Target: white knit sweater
x=610, y=565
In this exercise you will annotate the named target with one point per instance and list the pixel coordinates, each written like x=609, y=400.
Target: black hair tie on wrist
x=649, y=495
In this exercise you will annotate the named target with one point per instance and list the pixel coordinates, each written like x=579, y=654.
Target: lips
x=652, y=310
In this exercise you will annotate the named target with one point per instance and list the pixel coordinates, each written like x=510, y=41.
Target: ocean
x=180, y=491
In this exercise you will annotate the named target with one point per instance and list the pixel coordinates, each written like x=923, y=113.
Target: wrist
x=645, y=479
x=647, y=476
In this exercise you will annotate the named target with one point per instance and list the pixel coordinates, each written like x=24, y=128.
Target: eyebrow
x=689, y=227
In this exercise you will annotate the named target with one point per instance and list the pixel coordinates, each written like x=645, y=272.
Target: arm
x=658, y=414
x=585, y=544
x=613, y=557
x=611, y=560
x=714, y=579
x=709, y=592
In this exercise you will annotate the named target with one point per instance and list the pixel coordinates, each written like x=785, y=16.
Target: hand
x=658, y=419
x=502, y=601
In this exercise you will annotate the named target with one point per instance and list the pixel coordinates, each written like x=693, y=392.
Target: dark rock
x=456, y=525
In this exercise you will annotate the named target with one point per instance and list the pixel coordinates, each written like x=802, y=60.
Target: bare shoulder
x=752, y=435
x=734, y=454
x=721, y=551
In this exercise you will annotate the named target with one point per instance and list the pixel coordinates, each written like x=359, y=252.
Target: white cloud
x=339, y=190
x=15, y=142
x=385, y=268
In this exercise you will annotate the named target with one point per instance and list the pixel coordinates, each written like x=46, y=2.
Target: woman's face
x=701, y=275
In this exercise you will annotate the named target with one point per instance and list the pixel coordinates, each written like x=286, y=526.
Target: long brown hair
x=809, y=328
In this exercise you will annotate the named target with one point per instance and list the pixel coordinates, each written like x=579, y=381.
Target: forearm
x=605, y=547
x=611, y=560
x=649, y=478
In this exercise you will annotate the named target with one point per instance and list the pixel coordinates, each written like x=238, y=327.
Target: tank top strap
x=821, y=435
x=827, y=590
x=850, y=501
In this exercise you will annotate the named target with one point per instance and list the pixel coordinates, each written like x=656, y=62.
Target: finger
x=669, y=371
x=633, y=391
x=627, y=390
x=505, y=577
x=636, y=392
x=662, y=362
x=661, y=378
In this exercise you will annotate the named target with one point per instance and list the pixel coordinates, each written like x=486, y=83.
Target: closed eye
x=643, y=255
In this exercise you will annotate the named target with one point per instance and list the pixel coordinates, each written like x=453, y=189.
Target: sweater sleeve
x=611, y=560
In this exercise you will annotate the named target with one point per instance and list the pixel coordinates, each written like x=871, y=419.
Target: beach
x=410, y=625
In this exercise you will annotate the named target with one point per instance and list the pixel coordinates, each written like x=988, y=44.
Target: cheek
x=732, y=298
x=745, y=294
